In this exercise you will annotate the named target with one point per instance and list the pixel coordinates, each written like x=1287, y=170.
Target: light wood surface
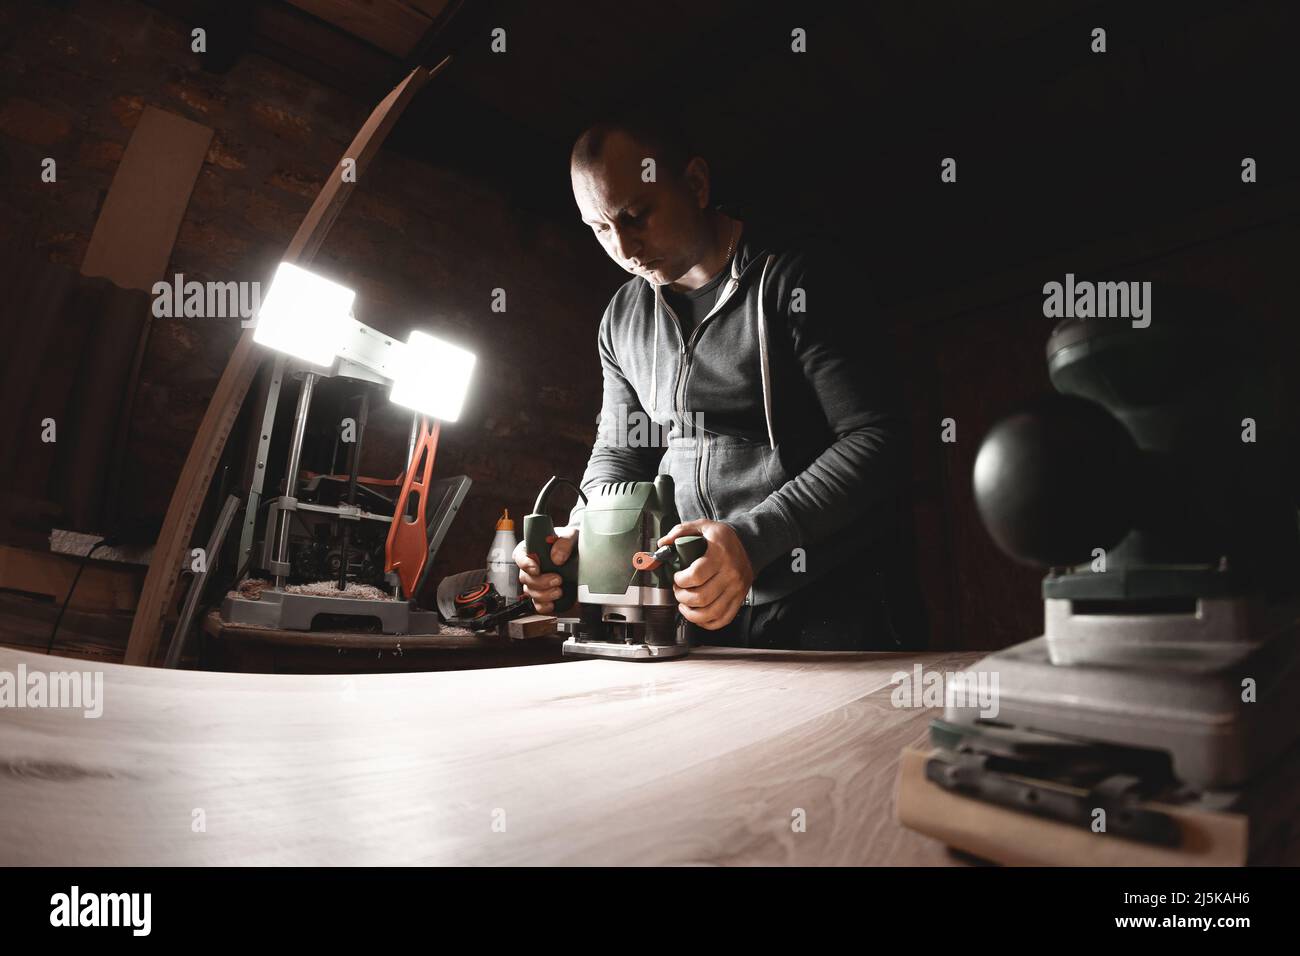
x=703, y=760
x=160, y=584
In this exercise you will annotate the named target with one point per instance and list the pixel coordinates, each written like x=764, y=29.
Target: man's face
x=657, y=230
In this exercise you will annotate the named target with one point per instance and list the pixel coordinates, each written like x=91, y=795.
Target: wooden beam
x=205, y=453
x=391, y=25
x=430, y=8
x=324, y=53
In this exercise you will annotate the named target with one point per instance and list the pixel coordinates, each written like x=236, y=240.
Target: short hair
x=666, y=138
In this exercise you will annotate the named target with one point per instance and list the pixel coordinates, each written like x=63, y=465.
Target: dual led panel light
x=310, y=317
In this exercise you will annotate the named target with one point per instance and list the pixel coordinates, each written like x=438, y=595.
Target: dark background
x=1120, y=165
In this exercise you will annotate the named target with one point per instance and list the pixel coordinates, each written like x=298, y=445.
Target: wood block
x=532, y=625
x=133, y=237
x=102, y=587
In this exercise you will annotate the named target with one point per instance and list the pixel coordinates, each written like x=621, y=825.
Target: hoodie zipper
x=679, y=389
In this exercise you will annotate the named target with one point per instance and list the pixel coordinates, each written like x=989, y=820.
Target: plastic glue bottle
x=501, y=567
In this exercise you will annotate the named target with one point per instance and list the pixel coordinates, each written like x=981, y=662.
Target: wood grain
x=701, y=760
x=200, y=464
x=531, y=626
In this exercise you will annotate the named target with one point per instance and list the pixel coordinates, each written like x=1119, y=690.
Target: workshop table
x=725, y=757
x=250, y=649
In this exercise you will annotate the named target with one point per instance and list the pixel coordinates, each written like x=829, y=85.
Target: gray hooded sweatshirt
x=777, y=414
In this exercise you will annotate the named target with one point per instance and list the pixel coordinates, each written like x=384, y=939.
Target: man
x=763, y=365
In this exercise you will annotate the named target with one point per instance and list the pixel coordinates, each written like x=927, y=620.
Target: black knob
x=1057, y=480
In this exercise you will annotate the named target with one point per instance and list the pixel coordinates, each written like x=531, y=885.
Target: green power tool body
x=619, y=575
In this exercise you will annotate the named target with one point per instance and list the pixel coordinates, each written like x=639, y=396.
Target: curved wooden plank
x=209, y=442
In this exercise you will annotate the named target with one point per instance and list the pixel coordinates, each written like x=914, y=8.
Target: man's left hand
x=711, y=591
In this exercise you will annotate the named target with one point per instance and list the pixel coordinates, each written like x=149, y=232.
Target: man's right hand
x=545, y=589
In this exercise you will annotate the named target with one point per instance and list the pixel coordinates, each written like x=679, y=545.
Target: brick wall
x=424, y=246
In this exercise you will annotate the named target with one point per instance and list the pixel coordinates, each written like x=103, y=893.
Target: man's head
x=659, y=228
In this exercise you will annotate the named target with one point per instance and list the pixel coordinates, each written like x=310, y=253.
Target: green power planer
x=619, y=575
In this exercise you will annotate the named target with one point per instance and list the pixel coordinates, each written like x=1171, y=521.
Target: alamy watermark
x=636, y=429
x=1101, y=300
x=64, y=690
x=965, y=689
x=75, y=908
x=179, y=299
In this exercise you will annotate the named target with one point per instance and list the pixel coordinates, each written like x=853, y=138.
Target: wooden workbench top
x=701, y=760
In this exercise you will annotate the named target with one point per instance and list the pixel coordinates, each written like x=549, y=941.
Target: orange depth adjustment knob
x=645, y=561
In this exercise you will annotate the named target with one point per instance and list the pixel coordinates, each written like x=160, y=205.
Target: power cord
x=85, y=559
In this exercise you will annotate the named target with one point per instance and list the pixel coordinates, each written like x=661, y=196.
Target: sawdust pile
x=361, y=592
x=251, y=589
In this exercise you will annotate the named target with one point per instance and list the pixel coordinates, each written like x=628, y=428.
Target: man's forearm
x=844, y=352
x=855, y=474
